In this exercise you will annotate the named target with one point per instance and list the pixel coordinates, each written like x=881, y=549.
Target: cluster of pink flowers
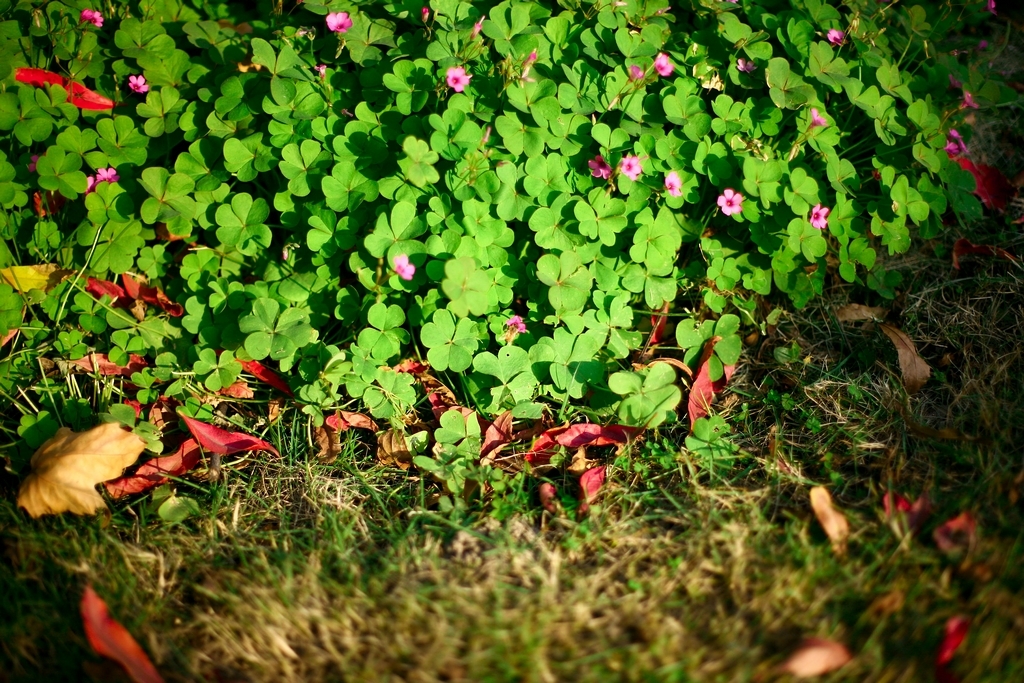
x=339, y=22
x=457, y=78
x=403, y=268
x=138, y=84
x=819, y=216
x=91, y=16
x=103, y=175
x=955, y=143
x=730, y=201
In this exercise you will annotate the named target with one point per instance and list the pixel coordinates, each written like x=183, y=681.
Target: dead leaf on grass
x=328, y=443
x=915, y=370
x=99, y=363
x=957, y=534
x=343, y=420
x=703, y=390
x=393, y=449
x=26, y=278
x=854, y=312
x=153, y=473
x=832, y=520
x=548, y=497
x=66, y=469
x=890, y=603
x=222, y=441
x=816, y=656
x=498, y=434
x=916, y=513
x=110, y=639
x=955, y=633
x=962, y=246
x=239, y=389
x=590, y=484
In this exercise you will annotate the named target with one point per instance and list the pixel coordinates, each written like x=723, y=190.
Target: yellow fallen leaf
x=915, y=370
x=832, y=521
x=44, y=277
x=66, y=469
x=816, y=656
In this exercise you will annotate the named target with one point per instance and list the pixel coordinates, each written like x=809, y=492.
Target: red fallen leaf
x=265, y=374
x=956, y=534
x=110, y=639
x=162, y=412
x=153, y=473
x=54, y=203
x=98, y=362
x=412, y=366
x=956, y=631
x=915, y=512
x=8, y=337
x=591, y=482
x=100, y=287
x=78, y=94
x=963, y=246
x=238, y=389
x=544, y=447
x=658, y=321
x=136, y=406
x=901, y=503
x=587, y=434
x=993, y=188
x=703, y=390
x=153, y=296
x=548, y=493
x=498, y=434
x=223, y=442
x=342, y=420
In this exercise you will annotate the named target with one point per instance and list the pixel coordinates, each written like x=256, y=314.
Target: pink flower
x=90, y=183
x=955, y=144
x=531, y=58
x=630, y=167
x=730, y=201
x=458, y=79
x=635, y=73
x=425, y=14
x=403, y=268
x=138, y=84
x=32, y=166
x=969, y=102
x=983, y=45
x=817, y=119
x=339, y=22
x=599, y=168
x=477, y=27
x=819, y=216
x=954, y=82
x=835, y=36
x=321, y=69
x=91, y=16
x=106, y=175
x=516, y=323
x=745, y=66
x=673, y=185
x=991, y=7
x=663, y=65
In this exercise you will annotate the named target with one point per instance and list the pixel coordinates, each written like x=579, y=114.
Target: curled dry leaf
x=703, y=390
x=238, y=389
x=155, y=472
x=916, y=513
x=957, y=534
x=853, y=312
x=591, y=482
x=816, y=656
x=99, y=363
x=832, y=521
x=498, y=434
x=99, y=288
x=223, y=442
x=548, y=497
x=343, y=420
x=328, y=443
x=66, y=469
x=110, y=639
x=265, y=374
x=153, y=296
x=915, y=370
x=393, y=450
x=26, y=278
x=962, y=246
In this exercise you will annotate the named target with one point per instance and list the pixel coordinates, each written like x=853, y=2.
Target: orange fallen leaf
x=110, y=639
x=854, y=312
x=66, y=469
x=238, y=389
x=832, y=521
x=816, y=656
x=915, y=370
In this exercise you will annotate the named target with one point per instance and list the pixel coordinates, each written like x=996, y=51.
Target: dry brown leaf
x=328, y=443
x=890, y=603
x=25, y=278
x=854, y=312
x=816, y=656
x=915, y=370
x=66, y=469
x=832, y=521
x=393, y=449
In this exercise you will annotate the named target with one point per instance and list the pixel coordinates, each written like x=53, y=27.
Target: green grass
x=300, y=571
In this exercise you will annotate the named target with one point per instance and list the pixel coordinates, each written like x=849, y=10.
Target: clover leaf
x=273, y=333
x=451, y=345
x=650, y=397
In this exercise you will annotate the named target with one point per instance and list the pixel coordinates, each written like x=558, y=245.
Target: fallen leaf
x=393, y=450
x=54, y=203
x=154, y=296
x=915, y=370
x=703, y=390
x=274, y=408
x=992, y=187
x=342, y=420
x=955, y=633
x=66, y=469
x=136, y=406
x=591, y=482
x=916, y=513
x=99, y=363
x=544, y=447
x=78, y=94
x=854, y=312
x=9, y=336
x=832, y=521
x=548, y=497
x=155, y=472
x=412, y=366
x=237, y=389
x=587, y=434
x=498, y=434
x=957, y=534
x=163, y=412
x=890, y=603
x=580, y=463
x=110, y=639
x=265, y=374
x=963, y=246
x=26, y=278
x=100, y=287
x=328, y=443
x=223, y=442
x=816, y=656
